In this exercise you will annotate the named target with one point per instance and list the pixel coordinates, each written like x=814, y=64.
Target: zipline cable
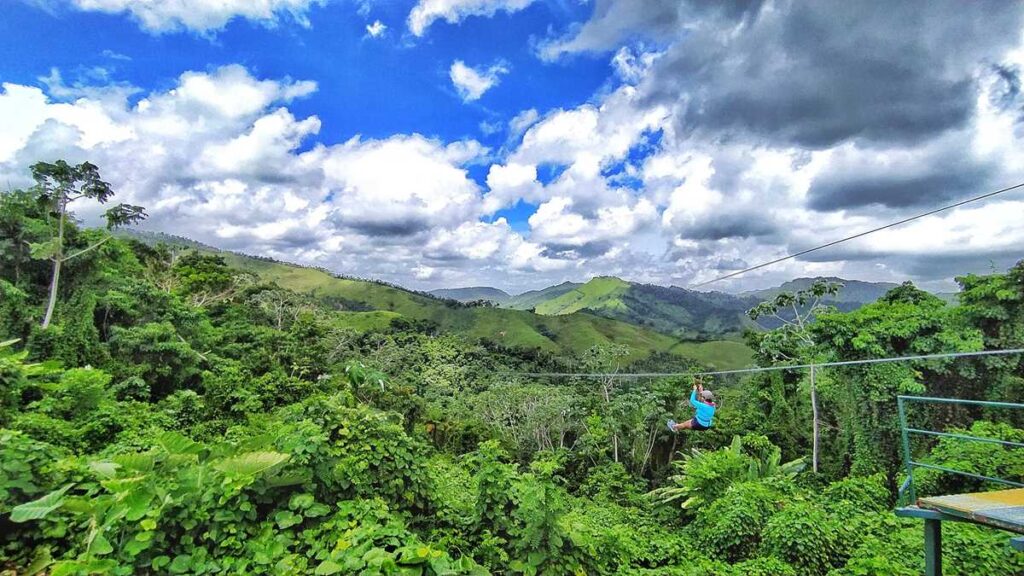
x=770, y=368
x=858, y=235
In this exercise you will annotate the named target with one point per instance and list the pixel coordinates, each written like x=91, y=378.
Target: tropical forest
x=170, y=408
x=512, y=287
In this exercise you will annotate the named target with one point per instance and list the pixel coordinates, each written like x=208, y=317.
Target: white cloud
x=376, y=30
x=590, y=133
x=631, y=65
x=556, y=223
x=202, y=16
x=522, y=121
x=472, y=83
x=510, y=183
x=220, y=157
x=454, y=11
x=400, y=186
x=470, y=240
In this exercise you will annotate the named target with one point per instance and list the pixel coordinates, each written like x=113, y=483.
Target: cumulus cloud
x=454, y=11
x=561, y=228
x=376, y=30
x=729, y=134
x=471, y=83
x=816, y=74
x=401, y=185
x=590, y=133
x=901, y=177
x=204, y=16
x=219, y=157
x=510, y=183
x=614, y=21
x=788, y=124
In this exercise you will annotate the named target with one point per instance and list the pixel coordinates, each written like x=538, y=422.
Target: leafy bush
x=541, y=542
x=982, y=458
x=360, y=452
x=184, y=507
x=731, y=526
x=15, y=312
x=704, y=476
x=804, y=536
x=493, y=477
x=858, y=493
x=26, y=472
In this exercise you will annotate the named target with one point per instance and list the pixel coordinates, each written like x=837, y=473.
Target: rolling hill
x=472, y=294
x=529, y=300
x=854, y=294
x=667, y=309
x=682, y=313
x=572, y=317
x=373, y=305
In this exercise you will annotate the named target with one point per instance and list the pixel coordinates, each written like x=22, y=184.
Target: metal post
x=817, y=423
x=933, y=548
x=906, y=450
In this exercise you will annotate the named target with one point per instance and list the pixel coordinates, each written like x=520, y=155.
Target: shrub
x=861, y=493
x=804, y=536
x=982, y=458
x=357, y=452
x=731, y=526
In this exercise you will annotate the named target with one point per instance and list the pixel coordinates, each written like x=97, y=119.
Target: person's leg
x=685, y=425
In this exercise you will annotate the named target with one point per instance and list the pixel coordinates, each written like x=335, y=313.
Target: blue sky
x=520, y=143
x=374, y=87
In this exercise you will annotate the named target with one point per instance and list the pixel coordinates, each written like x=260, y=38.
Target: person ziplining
x=703, y=402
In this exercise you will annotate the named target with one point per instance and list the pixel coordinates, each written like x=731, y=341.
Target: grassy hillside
x=601, y=293
x=373, y=305
x=669, y=310
x=529, y=300
x=722, y=354
x=472, y=294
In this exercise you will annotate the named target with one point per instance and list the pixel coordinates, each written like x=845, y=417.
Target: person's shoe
x=671, y=425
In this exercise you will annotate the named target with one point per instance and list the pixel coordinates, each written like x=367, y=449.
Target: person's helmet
x=708, y=395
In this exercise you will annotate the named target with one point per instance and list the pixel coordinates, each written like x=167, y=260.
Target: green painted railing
x=907, y=489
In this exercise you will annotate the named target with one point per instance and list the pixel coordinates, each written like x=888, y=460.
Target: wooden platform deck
x=1002, y=509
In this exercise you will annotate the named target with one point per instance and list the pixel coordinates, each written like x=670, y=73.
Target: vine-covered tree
x=792, y=341
x=58, y=186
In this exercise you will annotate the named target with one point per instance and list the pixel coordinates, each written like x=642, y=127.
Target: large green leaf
x=140, y=462
x=175, y=443
x=44, y=250
x=252, y=463
x=328, y=567
x=38, y=509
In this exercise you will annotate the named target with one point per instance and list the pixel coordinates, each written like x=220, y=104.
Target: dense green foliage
x=195, y=413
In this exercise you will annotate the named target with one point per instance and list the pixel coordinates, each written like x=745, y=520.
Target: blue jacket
x=705, y=412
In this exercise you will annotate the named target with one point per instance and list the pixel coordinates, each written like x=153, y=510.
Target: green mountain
x=666, y=309
x=472, y=294
x=561, y=327
x=529, y=300
x=854, y=294
x=677, y=311
x=367, y=305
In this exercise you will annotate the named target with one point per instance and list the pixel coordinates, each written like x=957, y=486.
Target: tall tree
x=58, y=185
x=792, y=341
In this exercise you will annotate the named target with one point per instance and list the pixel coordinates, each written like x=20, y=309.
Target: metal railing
x=907, y=489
